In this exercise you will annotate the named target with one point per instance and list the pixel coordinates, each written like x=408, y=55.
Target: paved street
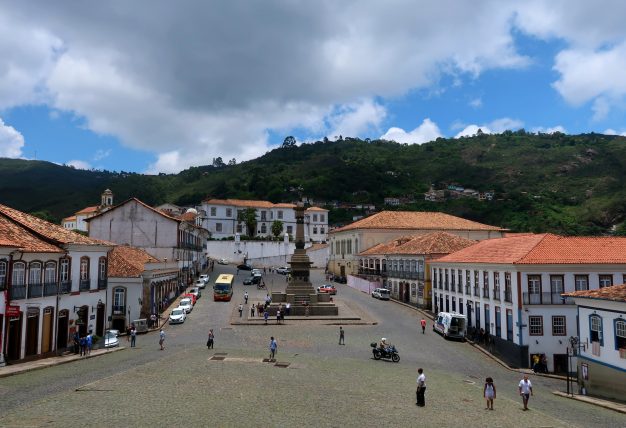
x=324, y=384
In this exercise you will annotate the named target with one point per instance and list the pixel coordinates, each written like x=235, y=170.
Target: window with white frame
x=620, y=335
x=229, y=212
x=606, y=280
x=50, y=273
x=315, y=217
x=534, y=284
x=595, y=328
x=280, y=214
x=218, y=227
x=581, y=282
x=322, y=217
x=322, y=231
x=65, y=270
x=3, y=274
x=535, y=325
x=102, y=268
x=314, y=230
x=19, y=274
x=34, y=273
x=213, y=211
x=558, y=325
x=84, y=268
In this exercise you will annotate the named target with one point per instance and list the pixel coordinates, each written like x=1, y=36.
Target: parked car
x=186, y=304
x=244, y=267
x=195, y=291
x=111, y=340
x=380, y=293
x=178, y=315
x=327, y=288
x=341, y=279
x=222, y=262
x=115, y=332
x=252, y=280
x=193, y=298
x=283, y=270
x=205, y=277
x=257, y=272
x=200, y=283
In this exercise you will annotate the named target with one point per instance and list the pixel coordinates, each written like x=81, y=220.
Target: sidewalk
x=618, y=407
x=43, y=363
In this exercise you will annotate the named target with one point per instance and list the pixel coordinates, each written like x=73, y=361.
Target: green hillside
x=560, y=183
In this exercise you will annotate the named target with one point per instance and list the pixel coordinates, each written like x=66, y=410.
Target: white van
x=451, y=325
x=380, y=293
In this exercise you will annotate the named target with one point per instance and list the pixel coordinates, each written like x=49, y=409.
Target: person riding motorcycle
x=383, y=345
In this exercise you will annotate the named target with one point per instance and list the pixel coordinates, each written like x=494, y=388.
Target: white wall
x=609, y=311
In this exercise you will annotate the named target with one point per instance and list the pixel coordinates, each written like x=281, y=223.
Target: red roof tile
x=497, y=250
x=430, y=243
x=128, y=262
x=47, y=230
x=416, y=220
x=14, y=235
x=247, y=203
x=88, y=210
x=616, y=293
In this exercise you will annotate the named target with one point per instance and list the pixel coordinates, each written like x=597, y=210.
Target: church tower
x=106, y=200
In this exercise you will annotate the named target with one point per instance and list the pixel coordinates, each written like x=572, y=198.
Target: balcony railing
x=84, y=285
x=35, y=290
x=476, y=292
x=367, y=271
x=102, y=284
x=486, y=292
x=546, y=298
x=468, y=290
x=508, y=296
x=192, y=247
x=50, y=288
x=405, y=274
x=496, y=293
x=18, y=291
x=66, y=287
x=445, y=287
x=119, y=309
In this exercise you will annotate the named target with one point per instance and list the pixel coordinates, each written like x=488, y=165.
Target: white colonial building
x=513, y=287
x=219, y=217
x=165, y=237
x=55, y=282
x=602, y=341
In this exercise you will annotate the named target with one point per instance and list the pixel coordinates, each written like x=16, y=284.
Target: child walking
x=489, y=392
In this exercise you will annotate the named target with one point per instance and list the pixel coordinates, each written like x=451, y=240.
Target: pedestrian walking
x=264, y=269
x=252, y=310
x=288, y=308
x=342, y=338
x=211, y=338
x=278, y=316
x=133, y=337
x=245, y=297
x=421, y=388
x=525, y=390
x=423, y=323
x=240, y=310
x=162, y=339
x=83, y=346
x=153, y=320
x=128, y=333
x=489, y=392
x=266, y=316
x=89, y=343
x=76, y=342
x=273, y=348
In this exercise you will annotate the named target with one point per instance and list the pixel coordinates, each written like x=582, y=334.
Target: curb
x=43, y=364
x=620, y=408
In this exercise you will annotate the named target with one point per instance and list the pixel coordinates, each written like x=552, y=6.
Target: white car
x=186, y=305
x=195, y=291
x=200, y=283
x=222, y=262
x=205, y=277
x=178, y=315
x=111, y=340
x=258, y=272
x=283, y=270
x=380, y=293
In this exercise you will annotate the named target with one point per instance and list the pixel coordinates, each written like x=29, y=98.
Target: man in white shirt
x=525, y=390
x=421, y=388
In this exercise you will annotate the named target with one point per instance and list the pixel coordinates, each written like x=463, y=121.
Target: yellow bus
x=223, y=288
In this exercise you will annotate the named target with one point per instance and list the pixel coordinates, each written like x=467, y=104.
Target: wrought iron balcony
x=18, y=291
x=546, y=298
x=102, y=284
x=496, y=293
x=119, y=309
x=476, y=292
x=50, y=288
x=84, y=285
x=66, y=287
x=35, y=290
x=507, y=296
x=486, y=292
x=468, y=290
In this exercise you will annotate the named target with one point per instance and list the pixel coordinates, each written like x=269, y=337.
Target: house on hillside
x=348, y=241
x=55, y=284
x=601, y=341
x=512, y=288
x=165, y=237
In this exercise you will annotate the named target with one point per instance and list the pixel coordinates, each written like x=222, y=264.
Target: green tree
x=277, y=228
x=218, y=162
x=248, y=217
x=289, y=141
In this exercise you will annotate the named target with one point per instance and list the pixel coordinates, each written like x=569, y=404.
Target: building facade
x=78, y=221
x=348, y=241
x=219, y=217
x=54, y=282
x=512, y=288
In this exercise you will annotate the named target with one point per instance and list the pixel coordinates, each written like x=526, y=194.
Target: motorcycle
x=389, y=352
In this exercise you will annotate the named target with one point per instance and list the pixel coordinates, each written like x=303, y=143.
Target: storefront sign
x=13, y=311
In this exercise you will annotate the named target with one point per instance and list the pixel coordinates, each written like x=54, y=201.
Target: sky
x=160, y=86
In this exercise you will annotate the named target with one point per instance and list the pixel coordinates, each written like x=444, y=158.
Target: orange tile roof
x=316, y=209
x=430, y=243
x=128, y=262
x=415, y=220
x=14, y=235
x=544, y=249
x=189, y=217
x=616, y=293
x=244, y=203
x=88, y=210
x=70, y=218
x=47, y=230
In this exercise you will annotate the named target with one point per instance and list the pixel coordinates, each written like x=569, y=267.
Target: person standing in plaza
x=153, y=321
x=421, y=388
x=240, y=310
x=133, y=336
x=288, y=308
x=162, y=339
x=273, y=348
x=342, y=338
x=128, y=333
x=525, y=390
x=278, y=316
x=245, y=297
x=489, y=392
x=266, y=316
x=423, y=323
x=209, y=342
x=252, y=310
x=83, y=346
x=89, y=342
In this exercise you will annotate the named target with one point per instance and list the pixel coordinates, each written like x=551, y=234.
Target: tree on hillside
x=277, y=228
x=218, y=162
x=248, y=217
x=232, y=162
x=289, y=141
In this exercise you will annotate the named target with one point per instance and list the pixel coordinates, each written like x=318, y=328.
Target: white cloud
x=476, y=103
x=427, y=131
x=495, y=127
x=356, y=119
x=11, y=141
x=79, y=164
x=549, y=130
x=611, y=131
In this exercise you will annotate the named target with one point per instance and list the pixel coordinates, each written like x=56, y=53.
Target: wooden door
x=46, y=330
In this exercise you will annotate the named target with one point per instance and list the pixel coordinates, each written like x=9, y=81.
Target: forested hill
x=569, y=184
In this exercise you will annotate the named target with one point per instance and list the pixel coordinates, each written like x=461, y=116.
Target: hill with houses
x=565, y=184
